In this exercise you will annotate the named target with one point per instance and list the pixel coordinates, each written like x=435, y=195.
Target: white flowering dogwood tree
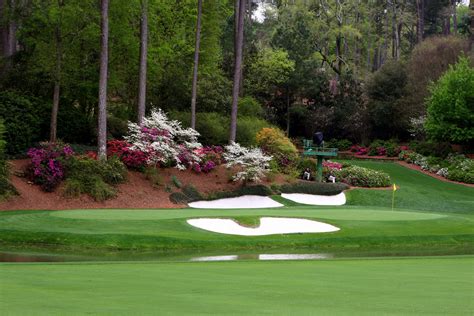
x=165, y=141
x=253, y=164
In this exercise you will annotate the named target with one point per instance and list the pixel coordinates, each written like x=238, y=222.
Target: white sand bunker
x=245, y=201
x=311, y=199
x=268, y=226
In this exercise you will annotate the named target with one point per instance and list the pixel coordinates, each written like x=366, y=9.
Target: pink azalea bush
x=47, y=164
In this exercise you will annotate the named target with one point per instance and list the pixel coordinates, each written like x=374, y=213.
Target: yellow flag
x=394, y=187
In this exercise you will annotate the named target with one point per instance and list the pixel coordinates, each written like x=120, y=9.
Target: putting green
x=339, y=214
x=415, y=286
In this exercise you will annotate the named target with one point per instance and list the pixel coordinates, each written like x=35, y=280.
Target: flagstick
x=393, y=195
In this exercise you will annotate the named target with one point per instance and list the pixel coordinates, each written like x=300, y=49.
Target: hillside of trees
x=80, y=70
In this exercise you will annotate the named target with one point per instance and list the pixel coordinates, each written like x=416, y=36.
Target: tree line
x=346, y=67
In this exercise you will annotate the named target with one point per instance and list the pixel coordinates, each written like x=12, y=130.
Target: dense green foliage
x=330, y=66
x=5, y=187
x=95, y=178
x=451, y=105
x=317, y=188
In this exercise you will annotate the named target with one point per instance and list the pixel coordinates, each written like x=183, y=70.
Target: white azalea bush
x=165, y=141
x=252, y=163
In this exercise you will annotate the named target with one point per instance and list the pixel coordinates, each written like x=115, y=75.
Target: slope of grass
x=417, y=286
x=417, y=191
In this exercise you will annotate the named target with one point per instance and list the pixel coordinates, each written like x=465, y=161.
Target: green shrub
x=73, y=188
x=22, y=121
x=430, y=148
x=314, y=188
x=258, y=189
x=450, y=106
x=274, y=142
x=178, y=198
x=250, y=107
x=88, y=176
x=187, y=195
x=100, y=190
x=305, y=162
x=192, y=193
x=340, y=144
x=176, y=182
x=5, y=187
x=152, y=174
x=247, y=129
x=361, y=177
x=460, y=176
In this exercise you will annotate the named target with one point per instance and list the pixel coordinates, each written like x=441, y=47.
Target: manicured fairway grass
x=420, y=286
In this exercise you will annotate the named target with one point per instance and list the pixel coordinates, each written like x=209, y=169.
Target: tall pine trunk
x=104, y=59
x=196, y=65
x=57, y=76
x=420, y=27
x=455, y=16
x=237, y=68
x=143, y=62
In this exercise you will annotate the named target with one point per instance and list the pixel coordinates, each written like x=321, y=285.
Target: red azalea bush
x=47, y=164
x=133, y=159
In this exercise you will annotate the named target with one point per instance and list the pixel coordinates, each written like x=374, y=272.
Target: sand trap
x=268, y=226
x=245, y=201
x=310, y=199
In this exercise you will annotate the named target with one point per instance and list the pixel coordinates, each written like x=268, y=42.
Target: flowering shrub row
x=361, y=177
x=47, y=164
x=454, y=167
x=378, y=148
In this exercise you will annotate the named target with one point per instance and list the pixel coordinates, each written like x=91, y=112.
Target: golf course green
x=430, y=217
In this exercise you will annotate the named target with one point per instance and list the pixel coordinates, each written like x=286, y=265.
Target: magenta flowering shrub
x=211, y=157
x=46, y=167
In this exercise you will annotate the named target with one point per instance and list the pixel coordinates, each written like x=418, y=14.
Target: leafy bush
x=176, y=182
x=252, y=163
x=431, y=148
x=247, y=128
x=274, y=142
x=318, y=188
x=178, y=198
x=340, y=144
x=152, y=174
x=450, y=110
x=93, y=177
x=187, y=195
x=192, y=193
x=5, y=187
x=361, y=177
x=307, y=163
x=21, y=120
x=47, y=164
x=258, y=189
x=250, y=107
x=461, y=176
